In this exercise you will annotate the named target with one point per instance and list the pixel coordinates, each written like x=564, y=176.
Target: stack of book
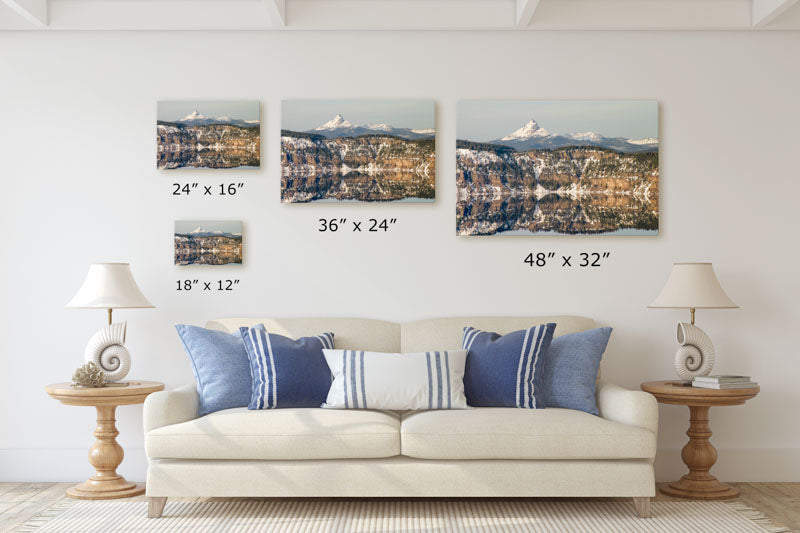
x=723, y=382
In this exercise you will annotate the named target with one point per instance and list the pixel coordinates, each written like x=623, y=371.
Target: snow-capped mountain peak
x=647, y=140
x=336, y=122
x=531, y=136
x=202, y=232
x=196, y=118
x=530, y=129
x=587, y=136
x=339, y=127
x=194, y=115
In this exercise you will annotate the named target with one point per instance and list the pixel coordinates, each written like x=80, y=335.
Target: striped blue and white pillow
x=410, y=381
x=286, y=372
x=506, y=371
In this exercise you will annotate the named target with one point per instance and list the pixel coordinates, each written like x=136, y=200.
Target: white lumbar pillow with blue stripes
x=396, y=381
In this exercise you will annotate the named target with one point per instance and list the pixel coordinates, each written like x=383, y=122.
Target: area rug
x=565, y=516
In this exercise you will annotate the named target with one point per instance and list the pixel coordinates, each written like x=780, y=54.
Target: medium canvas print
x=557, y=167
x=208, y=134
x=208, y=242
x=358, y=150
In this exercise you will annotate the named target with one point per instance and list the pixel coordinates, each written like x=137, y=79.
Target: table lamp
x=109, y=286
x=693, y=286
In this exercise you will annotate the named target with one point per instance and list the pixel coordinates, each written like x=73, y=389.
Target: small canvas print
x=208, y=134
x=557, y=167
x=208, y=242
x=358, y=150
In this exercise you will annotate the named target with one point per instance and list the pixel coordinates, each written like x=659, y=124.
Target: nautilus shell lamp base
x=107, y=350
x=695, y=355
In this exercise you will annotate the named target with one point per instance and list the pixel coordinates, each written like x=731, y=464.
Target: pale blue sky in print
x=302, y=115
x=172, y=110
x=486, y=120
x=227, y=226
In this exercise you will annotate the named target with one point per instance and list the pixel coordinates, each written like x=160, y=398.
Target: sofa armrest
x=169, y=407
x=632, y=407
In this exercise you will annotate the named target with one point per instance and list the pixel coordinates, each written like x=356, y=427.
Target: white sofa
x=480, y=452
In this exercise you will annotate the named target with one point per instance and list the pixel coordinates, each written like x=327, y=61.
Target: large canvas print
x=358, y=150
x=208, y=134
x=557, y=167
x=208, y=242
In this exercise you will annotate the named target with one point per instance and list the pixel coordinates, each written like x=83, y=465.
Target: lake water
x=618, y=232
x=398, y=201
x=588, y=214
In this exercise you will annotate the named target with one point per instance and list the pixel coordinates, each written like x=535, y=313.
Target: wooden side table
x=698, y=454
x=106, y=454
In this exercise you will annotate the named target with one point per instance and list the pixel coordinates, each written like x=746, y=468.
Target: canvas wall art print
x=358, y=150
x=208, y=242
x=208, y=134
x=557, y=167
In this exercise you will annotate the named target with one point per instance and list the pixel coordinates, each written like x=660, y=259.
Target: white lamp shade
x=109, y=286
x=693, y=286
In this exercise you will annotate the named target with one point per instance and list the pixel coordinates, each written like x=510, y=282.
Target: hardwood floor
x=21, y=501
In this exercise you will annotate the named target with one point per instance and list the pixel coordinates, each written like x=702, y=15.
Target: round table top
x=114, y=394
x=674, y=392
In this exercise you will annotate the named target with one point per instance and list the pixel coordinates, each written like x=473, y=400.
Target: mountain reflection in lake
x=555, y=213
x=208, y=249
x=367, y=168
x=218, y=157
x=207, y=145
x=208, y=258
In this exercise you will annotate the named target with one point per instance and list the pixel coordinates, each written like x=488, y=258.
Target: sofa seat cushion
x=280, y=434
x=509, y=433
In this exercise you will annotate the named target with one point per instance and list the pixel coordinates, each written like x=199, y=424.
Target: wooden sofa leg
x=155, y=506
x=642, y=506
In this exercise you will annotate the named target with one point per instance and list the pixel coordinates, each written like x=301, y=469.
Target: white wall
x=77, y=119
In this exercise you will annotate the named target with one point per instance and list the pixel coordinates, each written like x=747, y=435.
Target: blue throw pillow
x=220, y=365
x=286, y=372
x=506, y=371
x=571, y=367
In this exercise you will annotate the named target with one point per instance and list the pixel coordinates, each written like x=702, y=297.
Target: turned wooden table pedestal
x=106, y=454
x=698, y=454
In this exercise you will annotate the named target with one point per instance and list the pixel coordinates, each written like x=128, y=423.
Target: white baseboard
x=72, y=465
x=737, y=464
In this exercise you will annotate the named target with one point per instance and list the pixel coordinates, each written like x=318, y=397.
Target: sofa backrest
x=417, y=336
x=349, y=333
x=446, y=333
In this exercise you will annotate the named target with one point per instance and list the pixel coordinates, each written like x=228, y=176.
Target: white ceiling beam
x=165, y=15
x=765, y=11
x=372, y=15
x=642, y=15
x=525, y=9
x=34, y=11
x=400, y=14
x=277, y=11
